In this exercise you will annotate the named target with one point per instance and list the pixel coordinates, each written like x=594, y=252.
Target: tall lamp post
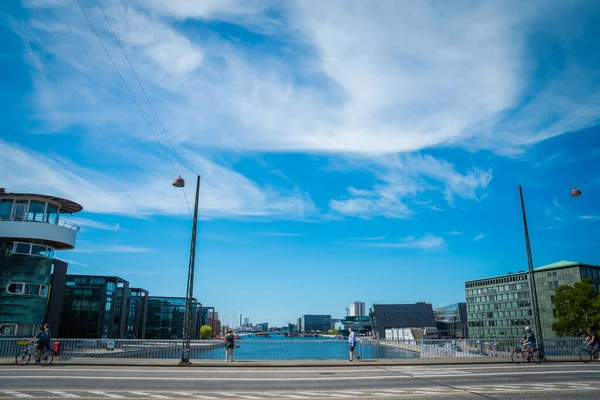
x=189, y=295
x=533, y=290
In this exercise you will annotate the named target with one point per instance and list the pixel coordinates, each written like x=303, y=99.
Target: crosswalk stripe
x=109, y=395
x=17, y=394
x=195, y=395
x=146, y=394
x=241, y=396
x=64, y=394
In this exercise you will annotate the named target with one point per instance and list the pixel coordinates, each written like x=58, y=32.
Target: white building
x=357, y=309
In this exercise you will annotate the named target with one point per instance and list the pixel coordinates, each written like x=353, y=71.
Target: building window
x=15, y=288
x=33, y=249
x=30, y=289
x=8, y=330
x=6, y=207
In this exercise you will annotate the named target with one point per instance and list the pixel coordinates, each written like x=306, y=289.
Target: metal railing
x=41, y=219
x=317, y=349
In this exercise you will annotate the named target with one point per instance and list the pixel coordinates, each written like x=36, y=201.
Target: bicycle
x=587, y=353
x=24, y=356
x=536, y=355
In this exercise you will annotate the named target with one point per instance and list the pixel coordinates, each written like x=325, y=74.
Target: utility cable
x=127, y=86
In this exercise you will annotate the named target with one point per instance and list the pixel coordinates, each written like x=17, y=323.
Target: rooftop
x=66, y=206
x=556, y=265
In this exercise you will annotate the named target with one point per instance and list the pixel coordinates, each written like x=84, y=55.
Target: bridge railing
x=287, y=349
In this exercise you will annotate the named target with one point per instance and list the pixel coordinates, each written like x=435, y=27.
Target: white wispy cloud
x=454, y=233
x=71, y=262
x=415, y=76
x=374, y=92
x=427, y=242
x=281, y=234
x=403, y=177
x=111, y=248
x=224, y=192
x=590, y=217
x=480, y=236
x=84, y=222
x=369, y=238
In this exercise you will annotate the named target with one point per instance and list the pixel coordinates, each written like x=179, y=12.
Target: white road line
x=146, y=394
x=260, y=379
x=239, y=396
x=195, y=395
x=17, y=394
x=64, y=394
x=104, y=394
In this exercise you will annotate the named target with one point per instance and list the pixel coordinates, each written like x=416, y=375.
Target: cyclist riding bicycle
x=592, y=340
x=41, y=341
x=528, y=340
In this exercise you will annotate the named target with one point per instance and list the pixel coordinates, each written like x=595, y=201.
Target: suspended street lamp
x=575, y=192
x=179, y=182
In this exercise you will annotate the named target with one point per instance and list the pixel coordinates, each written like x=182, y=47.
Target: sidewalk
x=161, y=362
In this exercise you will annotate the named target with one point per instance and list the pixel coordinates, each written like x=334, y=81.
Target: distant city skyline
x=380, y=164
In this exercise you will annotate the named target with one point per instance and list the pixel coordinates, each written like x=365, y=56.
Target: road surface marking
x=146, y=394
x=64, y=394
x=239, y=396
x=104, y=394
x=328, y=394
x=294, y=379
x=17, y=394
x=197, y=396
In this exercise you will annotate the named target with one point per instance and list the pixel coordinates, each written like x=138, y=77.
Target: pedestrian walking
x=229, y=345
x=352, y=345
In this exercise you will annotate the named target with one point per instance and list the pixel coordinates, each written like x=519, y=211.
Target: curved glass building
x=31, y=228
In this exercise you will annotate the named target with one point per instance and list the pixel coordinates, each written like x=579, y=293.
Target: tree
x=577, y=308
x=205, y=332
x=333, y=332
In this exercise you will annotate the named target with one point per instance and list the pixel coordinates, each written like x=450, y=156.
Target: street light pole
x=189, y=295
x=532, y=287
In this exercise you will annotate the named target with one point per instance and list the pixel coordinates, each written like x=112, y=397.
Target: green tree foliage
x=205, y=332
x=577, y=308
x=333, y=332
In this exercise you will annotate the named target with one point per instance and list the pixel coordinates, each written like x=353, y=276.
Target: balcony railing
x=41, y=219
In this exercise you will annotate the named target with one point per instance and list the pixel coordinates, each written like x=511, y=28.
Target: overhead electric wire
x=126, y=86
x=142, y=87
x=133, y=97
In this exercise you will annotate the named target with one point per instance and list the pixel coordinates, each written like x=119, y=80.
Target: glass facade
x=499, y=307
x=24, y=282
x=137, y=314
x=166, y=316
x=451, y=321
x=314, y=323
x=92, y=308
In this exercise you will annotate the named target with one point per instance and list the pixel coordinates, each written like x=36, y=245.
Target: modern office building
x=138, y=313
x=451, y=321
x=388, y=316
x=501, y=306
x=31, y=228
x=166, y=316
x=357, y=309
x=94, y=307
x=262, y=327
x=299, y=325
x=315, y=323
x=361, y=325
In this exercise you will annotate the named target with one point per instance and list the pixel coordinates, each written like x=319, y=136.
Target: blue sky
x=348, y=150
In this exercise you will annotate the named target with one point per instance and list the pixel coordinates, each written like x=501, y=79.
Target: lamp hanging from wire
x=179, y=182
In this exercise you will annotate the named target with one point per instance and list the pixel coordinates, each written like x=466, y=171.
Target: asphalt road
x=547, y=381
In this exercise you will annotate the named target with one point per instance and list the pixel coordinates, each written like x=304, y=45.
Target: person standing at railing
x=229, y=345
x=352, y=344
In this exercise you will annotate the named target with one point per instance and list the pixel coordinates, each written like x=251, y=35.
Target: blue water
x=279, y=347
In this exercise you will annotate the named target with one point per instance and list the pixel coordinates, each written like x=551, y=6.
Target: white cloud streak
x=402, y=177
x=88, y=223
x=480, y=236
x=426, y=243
x=111, y=248
x=224, y=193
